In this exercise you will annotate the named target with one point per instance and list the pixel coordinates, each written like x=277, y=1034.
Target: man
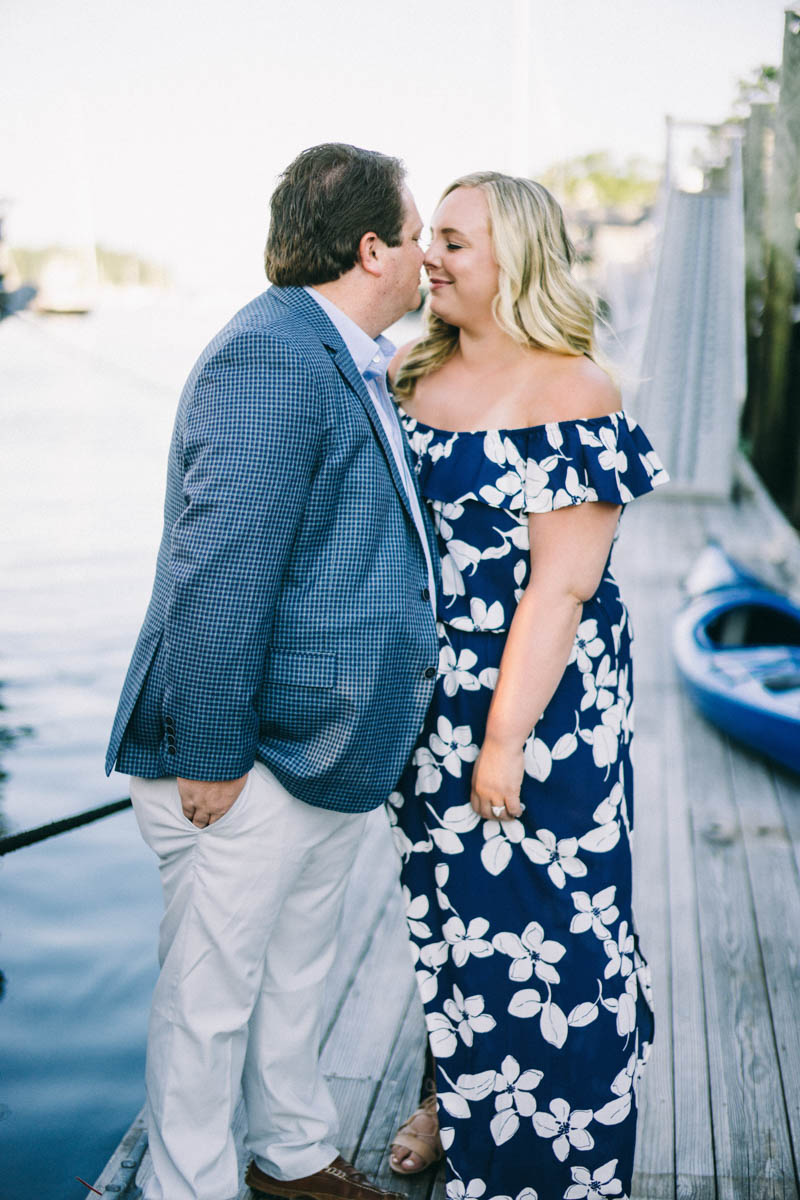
x=284, y=668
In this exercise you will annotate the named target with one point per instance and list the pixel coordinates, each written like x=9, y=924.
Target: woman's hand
x=497, y=779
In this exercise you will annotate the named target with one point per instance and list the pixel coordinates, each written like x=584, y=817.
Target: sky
x=161, y=126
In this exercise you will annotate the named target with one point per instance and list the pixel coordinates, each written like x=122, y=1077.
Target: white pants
x=252, y=906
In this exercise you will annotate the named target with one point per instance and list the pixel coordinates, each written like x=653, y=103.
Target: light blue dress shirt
x=372, y=359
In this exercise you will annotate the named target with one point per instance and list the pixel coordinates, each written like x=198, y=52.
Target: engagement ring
x=497, y=809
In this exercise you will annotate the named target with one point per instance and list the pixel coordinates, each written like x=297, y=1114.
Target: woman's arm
x=569, y=551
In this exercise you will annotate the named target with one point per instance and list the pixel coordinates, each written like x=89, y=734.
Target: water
x=86, y=410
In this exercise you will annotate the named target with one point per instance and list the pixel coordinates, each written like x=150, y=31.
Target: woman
x=514, y=816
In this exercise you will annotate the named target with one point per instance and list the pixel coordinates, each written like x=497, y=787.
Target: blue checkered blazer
x=290, y=620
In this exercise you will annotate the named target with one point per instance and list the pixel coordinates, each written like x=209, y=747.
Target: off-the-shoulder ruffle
x=538, y=469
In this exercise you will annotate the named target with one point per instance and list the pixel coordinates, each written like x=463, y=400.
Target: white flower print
x=416, y=908
x=501, y=450
x=428, y=775
x=595, y=913
x=453, y=746
x=444, y=514
x=619, y=951
x=573, y=491
x=441, y=875
x=441, y=1034
x=611, y=458
x=559, y=855
x=513, y=1099
x=443, y=449
x=459, y=818
x=452, y=581
x=587, y=645
x=554, y=435
x=601, y=839
x=531, y=954
x=604, y=740
x=598, y=688
x=567, y=744
x=464, y=555
x=467, y=1015
x=587, y=437
x=509, y=486
x=654, y=467
x=499, y=837
x=481, y=616
x=567, y=1128
x=456, y=1190
x=617, y=1109
x=419, y=439
x=601, y=1183
x=513, y=1088
x=456, y=672
x=538, y=495
x=466, y=941
x=538, y=759
x=607, y=809
x=612, y=717
x=520, y=571
x=432, y=956
x=402, y=843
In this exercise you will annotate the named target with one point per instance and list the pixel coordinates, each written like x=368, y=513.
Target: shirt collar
x=371, y=357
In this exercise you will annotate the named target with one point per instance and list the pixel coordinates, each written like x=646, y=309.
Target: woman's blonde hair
x=538, y=303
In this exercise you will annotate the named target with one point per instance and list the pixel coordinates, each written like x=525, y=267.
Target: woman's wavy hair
x=538, y=303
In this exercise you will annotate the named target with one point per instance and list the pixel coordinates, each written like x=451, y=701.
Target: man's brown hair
x=326, y=200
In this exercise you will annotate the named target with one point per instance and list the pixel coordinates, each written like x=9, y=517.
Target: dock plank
x=751, y=1140
x=776, y=901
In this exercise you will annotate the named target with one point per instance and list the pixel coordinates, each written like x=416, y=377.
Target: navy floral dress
x=536, y=993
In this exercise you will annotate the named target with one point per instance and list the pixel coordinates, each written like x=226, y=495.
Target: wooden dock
x=717, y=862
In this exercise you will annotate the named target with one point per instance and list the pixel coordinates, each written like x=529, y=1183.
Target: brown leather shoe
x=338, y=1181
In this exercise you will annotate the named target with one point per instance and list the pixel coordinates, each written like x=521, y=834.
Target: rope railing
x=29, y=837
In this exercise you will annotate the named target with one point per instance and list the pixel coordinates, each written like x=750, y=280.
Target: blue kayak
x=737, y=646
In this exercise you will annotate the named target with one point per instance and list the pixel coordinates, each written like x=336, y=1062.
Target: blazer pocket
x=301, y=670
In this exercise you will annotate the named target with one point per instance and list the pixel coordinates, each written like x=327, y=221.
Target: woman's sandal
x=420, y=1135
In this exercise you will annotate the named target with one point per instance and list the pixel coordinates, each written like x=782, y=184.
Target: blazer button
x=426, y=593
x=169, y=722
x=171, y=750
x=429, y=672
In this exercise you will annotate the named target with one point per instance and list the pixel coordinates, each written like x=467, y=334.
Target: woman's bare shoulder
x=573, y=388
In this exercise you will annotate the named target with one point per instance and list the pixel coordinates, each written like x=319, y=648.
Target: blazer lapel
x=300, y=302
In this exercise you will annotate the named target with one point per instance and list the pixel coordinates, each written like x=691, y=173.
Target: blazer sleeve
x=252, y=437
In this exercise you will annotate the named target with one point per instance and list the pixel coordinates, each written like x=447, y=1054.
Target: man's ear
x=369, y=257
